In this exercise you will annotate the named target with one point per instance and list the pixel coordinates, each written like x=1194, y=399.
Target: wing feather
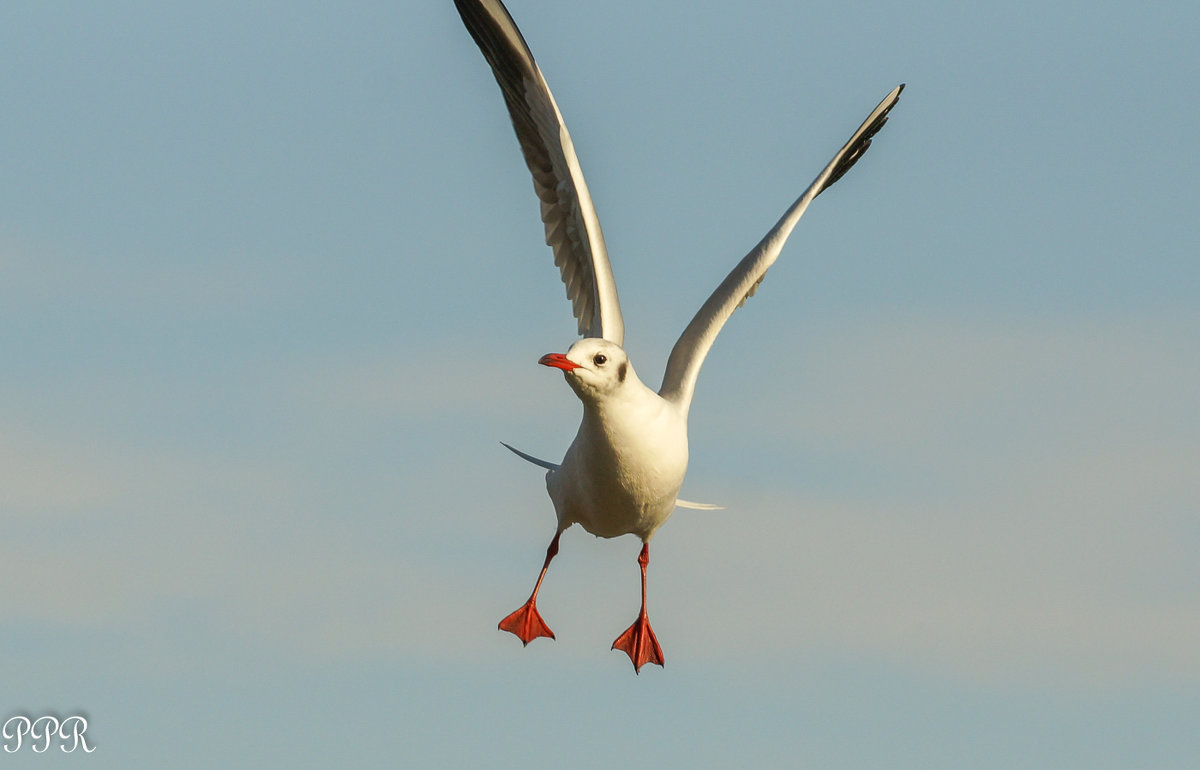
x=572, y=228
x=683, y=366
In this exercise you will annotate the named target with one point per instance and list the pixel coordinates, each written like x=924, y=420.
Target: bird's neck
x=629, y=407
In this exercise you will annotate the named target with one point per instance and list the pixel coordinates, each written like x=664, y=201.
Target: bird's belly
x=625, y=485
x=611, y=511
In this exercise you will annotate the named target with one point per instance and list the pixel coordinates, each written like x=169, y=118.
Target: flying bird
x=622, y=473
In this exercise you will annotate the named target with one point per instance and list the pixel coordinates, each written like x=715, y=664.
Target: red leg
x=638, y=641
x=526, y=623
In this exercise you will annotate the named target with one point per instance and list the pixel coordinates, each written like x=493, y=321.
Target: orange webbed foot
x=526, y=623
x=640, y=644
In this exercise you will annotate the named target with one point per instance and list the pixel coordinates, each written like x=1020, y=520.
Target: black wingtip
x=497, y=35
x=861, y=144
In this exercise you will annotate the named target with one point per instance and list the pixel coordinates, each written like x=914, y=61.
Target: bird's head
x=594, y=368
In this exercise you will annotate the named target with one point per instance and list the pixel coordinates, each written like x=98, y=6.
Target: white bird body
x=623, y=472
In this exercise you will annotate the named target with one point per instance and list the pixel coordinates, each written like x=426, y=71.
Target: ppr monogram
x=46, y=730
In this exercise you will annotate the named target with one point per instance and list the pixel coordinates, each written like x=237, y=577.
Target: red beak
x=558, y=361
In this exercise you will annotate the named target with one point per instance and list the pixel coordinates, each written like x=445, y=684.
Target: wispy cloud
x=1042, y=519
x=1031, y=514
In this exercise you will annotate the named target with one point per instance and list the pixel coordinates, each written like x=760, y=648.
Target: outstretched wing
x=683, y=366
x=572, y=229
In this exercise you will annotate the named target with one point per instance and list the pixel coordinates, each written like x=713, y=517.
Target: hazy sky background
x=272, y=289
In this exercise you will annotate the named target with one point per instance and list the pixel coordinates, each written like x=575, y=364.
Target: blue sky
x=273, y=290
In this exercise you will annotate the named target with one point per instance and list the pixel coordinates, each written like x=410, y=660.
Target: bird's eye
x=599, y=359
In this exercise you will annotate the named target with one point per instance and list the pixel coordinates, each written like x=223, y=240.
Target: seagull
x=623, y=472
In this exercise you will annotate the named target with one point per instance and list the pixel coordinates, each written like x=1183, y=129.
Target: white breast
x=623, y=472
